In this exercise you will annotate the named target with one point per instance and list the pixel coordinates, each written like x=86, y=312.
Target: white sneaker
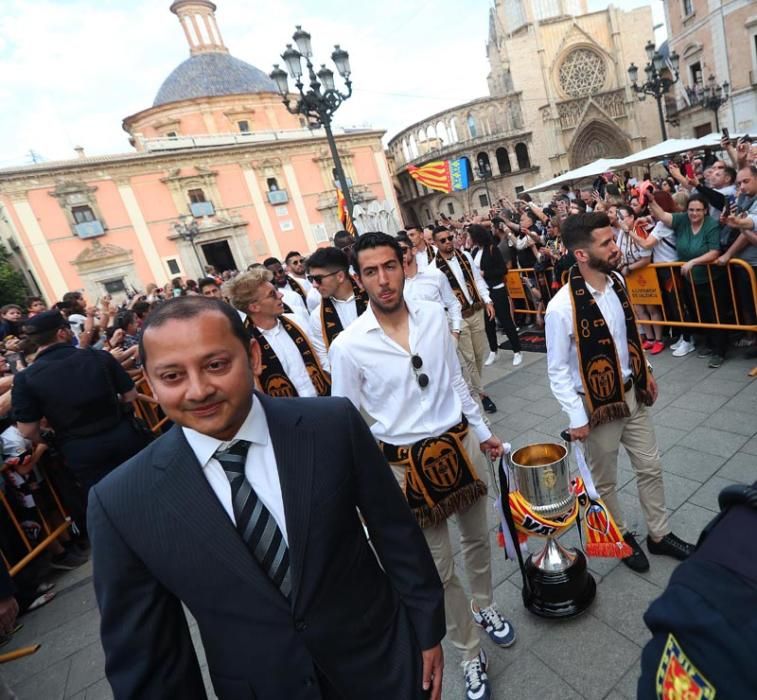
x=517, y=358
x=684, y=349
x=677, y=344
x=491, y=359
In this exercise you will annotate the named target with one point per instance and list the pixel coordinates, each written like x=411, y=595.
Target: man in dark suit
x=246, y=512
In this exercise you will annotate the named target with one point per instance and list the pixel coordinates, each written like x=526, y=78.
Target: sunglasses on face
x=421, y=377
x=446, y=239
x=296, y=262
x=318, y=279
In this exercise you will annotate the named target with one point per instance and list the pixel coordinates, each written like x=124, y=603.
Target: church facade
x=559, y=97
x=217, y=156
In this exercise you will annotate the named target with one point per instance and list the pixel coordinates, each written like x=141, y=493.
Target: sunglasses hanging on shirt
x=421, y=377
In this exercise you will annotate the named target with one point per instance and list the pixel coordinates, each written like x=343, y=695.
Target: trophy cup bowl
x=558, y=583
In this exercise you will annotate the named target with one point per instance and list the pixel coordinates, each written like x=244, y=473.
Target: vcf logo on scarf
x=598, y=361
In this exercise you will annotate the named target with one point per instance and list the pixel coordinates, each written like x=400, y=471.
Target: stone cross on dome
x=198, y=20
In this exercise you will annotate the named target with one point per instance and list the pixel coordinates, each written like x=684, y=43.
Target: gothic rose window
x=582, y=73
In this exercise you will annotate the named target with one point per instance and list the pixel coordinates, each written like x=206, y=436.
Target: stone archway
x=597, y=139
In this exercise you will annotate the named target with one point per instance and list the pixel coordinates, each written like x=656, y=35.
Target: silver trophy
x=557, y=582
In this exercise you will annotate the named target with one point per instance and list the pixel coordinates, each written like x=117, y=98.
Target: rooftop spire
x=198, y=20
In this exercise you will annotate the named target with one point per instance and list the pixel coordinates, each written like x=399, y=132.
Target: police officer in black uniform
x=83, y=394
x=704, y=626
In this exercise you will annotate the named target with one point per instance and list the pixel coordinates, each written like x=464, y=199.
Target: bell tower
x=198, y=20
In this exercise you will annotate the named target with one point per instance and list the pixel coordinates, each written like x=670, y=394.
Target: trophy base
x=559, y=594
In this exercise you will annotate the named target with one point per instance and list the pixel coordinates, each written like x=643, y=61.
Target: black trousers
x=716, y=339
x=502, y=315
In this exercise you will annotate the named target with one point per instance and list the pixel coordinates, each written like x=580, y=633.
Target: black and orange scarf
x=295, y=286
x=598, y=361
x=273, y=379
x=440, y=479
x=331, y=324
x=470, y=280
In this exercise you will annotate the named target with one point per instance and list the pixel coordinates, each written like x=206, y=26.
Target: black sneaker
x=715, y=361
x=704, y=352
x=68, y=561
x=670, y=546
x=488, y=405
x=476, y=680
x=637, y=561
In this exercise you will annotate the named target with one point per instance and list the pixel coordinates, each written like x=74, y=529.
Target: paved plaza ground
x=707, y=432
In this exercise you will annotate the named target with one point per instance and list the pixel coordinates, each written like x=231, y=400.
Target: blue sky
x=71, y=70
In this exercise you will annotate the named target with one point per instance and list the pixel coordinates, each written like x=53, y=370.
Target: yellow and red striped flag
x=434, y=175
x=344, y=216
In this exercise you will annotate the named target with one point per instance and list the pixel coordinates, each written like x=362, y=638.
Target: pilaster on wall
x=141, y=230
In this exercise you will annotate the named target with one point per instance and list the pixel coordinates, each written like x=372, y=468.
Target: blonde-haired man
x=290, y=365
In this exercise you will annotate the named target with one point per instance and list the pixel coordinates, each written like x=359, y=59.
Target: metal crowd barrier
x=52, y=531
x=147, y=408
x=658, y=284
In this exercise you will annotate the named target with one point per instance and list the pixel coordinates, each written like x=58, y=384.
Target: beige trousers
x=473, y=349
x=475, y=548
x=636, y=434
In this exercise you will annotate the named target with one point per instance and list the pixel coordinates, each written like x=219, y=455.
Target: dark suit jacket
x=160, y=538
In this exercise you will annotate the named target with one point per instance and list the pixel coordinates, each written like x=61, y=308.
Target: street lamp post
x=655, y=84
x=485, y=172
x=322, y=99
x=189, y=230
x=714, y=96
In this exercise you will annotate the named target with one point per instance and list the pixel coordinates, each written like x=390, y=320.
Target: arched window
x=521, y=153
x=503, y=161
x=405, y=150
x=472, y=129
x=413, y=147
x=441, y=133
x=469, y=169
x=454, y=138
x=484, y=166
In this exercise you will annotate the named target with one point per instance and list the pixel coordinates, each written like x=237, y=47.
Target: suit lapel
x=186, y=491
x=293, y=447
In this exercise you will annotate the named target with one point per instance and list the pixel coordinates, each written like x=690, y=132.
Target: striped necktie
x=255, y=524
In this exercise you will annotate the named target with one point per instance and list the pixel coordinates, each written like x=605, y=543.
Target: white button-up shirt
x=377, y=375
x=346, y=310
x=421, y=257
x=296, y=303
x=260, y=469
x=432, y=285
x=562, y=356
x=454, y=265
x=289, y=356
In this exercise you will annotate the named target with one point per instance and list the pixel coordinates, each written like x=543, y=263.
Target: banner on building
x=344, y=216
x=442, y=175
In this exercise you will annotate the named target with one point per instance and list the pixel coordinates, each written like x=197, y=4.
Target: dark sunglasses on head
x=421, y=377
x=318, y=279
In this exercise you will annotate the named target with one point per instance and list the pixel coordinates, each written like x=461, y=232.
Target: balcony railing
x=200, y=209
x=89, y=229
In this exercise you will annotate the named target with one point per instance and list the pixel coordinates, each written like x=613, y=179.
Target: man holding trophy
x=600, y=376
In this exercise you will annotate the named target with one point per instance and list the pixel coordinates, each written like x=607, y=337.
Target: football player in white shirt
x=398, y=363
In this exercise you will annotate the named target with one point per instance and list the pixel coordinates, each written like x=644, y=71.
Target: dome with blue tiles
x=210, y=75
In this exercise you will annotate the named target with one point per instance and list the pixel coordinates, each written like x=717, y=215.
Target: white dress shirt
x=454, y=265
x=289, y=356
x=377, y=375
x=346, y=310
x=421, y=257
x=260, y=469
x=432, y=285
x=295, y=302
x=562, y=356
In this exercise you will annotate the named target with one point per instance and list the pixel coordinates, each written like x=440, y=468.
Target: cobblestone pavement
x=706, y=428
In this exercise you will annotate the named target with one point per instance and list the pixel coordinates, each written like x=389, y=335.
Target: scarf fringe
x=609, y=412
x=458, y=501
x=614, y=550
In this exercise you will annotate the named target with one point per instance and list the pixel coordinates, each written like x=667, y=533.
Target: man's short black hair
x=438, y=229
x=292, y=254
x=33, y=300
x=404, y=238
x=271, y=261
x=184, y=308
x=576, y=229
x=730, y=173
x=329, y=258
x=375, y=239
x=342, y=239
x=206, y=282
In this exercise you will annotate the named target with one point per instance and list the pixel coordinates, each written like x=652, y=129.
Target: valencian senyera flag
x=344, y=215
x=442, y=175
